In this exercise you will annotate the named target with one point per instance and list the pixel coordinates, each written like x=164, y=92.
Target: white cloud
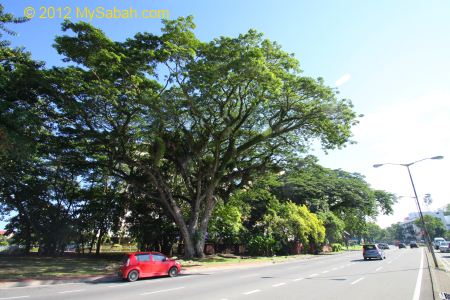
x=343, y=79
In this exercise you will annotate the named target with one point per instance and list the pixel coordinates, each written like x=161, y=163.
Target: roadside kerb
x=440, y=277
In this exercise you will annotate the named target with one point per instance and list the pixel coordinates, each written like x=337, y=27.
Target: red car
x=148, y=264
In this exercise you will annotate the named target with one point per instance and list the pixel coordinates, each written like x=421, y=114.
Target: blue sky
x=391, y=58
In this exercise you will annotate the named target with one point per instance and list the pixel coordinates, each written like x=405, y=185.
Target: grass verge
x=14, y=268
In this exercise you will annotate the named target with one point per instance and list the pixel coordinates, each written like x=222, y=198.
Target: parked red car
x=148, y=264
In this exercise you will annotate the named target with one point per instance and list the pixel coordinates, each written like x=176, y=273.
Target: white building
x=438, y=214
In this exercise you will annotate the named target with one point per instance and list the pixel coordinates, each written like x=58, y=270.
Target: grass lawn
x=353, y=248
x=24, y=267
x=219, y=260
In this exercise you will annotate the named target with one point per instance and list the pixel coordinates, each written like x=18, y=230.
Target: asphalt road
x=403, y=275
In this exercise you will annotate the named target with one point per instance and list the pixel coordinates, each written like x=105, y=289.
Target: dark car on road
x=372, y=251
x=148, y=264
x=413, y=244
x=401, y=245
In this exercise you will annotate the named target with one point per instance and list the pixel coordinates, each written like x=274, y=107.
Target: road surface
x=403, y=275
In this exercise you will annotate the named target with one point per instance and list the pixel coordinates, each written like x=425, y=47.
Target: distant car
x=444, y=247
x=413, y=244
x=401, y=245
x=372, y=251
x=147, y=264
x=383, y=246
x=437, y=241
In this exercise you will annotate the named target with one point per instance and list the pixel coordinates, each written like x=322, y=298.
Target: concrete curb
x=439, y=276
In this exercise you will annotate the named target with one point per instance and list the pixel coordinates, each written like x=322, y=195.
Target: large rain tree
x=186, y=122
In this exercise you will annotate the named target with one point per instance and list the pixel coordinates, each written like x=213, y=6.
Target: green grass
x=35, y=267
x=353, y=248
x=219, y=260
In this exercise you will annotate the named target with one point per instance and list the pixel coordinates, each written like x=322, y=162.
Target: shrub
x=336, y=247
x=261, y=245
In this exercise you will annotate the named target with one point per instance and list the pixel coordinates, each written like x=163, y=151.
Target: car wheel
x=173, y=272
x=133, y=275
x=365, y=258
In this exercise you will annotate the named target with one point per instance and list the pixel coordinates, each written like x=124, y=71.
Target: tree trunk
x=91, y=244
x=99, y=241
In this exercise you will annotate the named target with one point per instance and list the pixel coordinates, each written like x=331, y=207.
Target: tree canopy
x=175, y=134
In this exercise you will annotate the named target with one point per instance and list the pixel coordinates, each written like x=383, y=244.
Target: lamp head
x=437, y=157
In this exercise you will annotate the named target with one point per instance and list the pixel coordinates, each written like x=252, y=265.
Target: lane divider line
x=162, y=291
x=17, y=297
x=297, y=279
x=72, y=291
x=279, y=284
x=251, y=292
x=357, y=280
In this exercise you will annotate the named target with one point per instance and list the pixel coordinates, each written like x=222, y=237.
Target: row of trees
x=177, y=139
x=405, y=233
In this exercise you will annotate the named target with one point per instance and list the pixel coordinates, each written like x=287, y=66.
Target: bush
x=261, y=245
x=336, y=247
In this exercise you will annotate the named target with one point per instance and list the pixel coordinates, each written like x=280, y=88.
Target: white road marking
x=17, y=297
x=313, y=275
x=297, y=279
x=378, y=269
x=326, y=271
x=334, y=269
x=389, y=262
x=357, y=280
x=251, y=292
x=279, y=284
x=71, y=291
x=419, y=279
x=162, y=291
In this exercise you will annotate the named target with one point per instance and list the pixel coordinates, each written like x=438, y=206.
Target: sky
x=390, y=58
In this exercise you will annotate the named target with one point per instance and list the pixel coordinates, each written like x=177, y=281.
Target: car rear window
x=370, y=247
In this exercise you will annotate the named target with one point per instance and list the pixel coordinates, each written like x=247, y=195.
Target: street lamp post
x=430, y=247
